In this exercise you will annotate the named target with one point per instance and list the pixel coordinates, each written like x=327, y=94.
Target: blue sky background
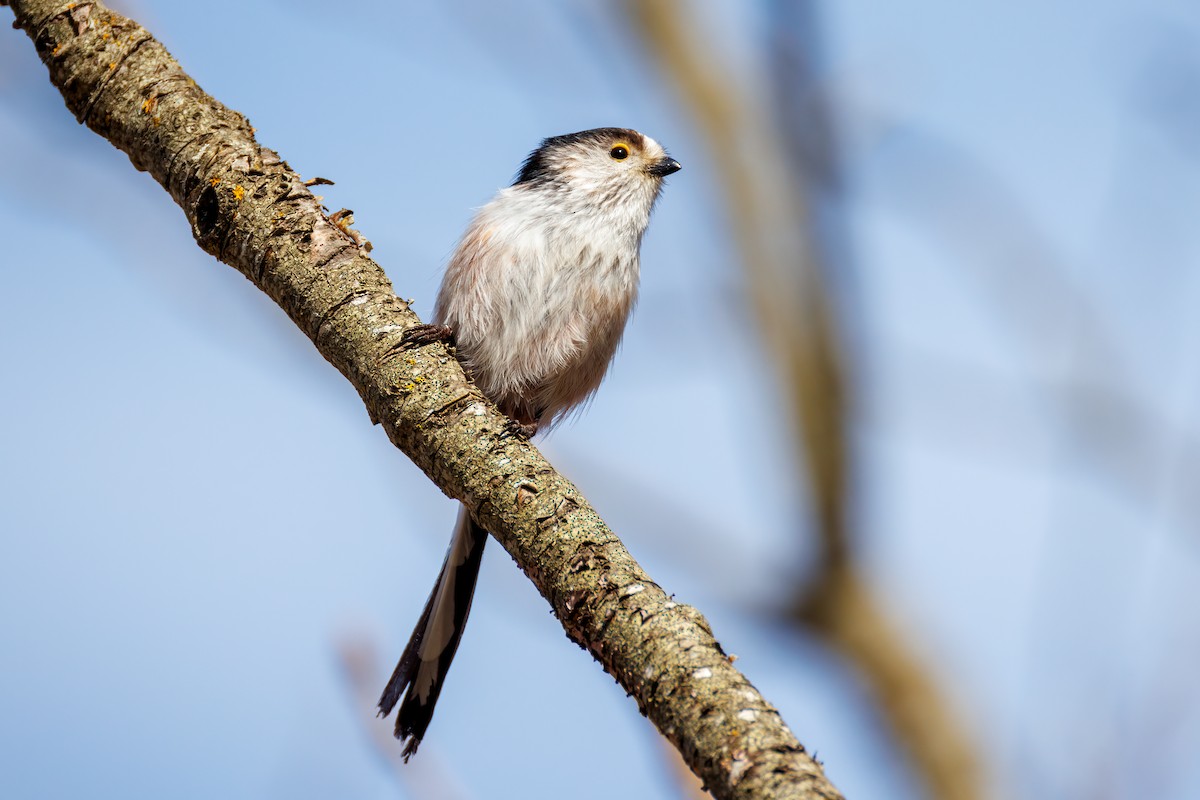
x=195, y=512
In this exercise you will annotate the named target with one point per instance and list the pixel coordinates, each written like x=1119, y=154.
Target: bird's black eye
x=620, y=152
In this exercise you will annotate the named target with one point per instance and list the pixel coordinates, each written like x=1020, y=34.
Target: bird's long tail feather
x=426, y=660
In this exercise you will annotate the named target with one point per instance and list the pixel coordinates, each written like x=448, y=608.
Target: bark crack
x=114, y=68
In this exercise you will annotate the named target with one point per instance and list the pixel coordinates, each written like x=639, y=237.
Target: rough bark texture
x=250, y=210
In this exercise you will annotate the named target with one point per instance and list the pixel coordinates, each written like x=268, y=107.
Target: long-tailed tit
x=535, y=298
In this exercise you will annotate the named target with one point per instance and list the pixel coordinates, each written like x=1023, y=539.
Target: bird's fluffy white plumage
x=536, y=297
x=542, y=282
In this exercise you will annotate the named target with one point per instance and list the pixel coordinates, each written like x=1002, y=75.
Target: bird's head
x=603, y=165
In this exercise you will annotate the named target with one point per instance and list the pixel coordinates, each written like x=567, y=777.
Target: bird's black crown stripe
x=537, y=166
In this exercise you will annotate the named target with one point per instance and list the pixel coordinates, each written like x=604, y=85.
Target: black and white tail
x=426, y=660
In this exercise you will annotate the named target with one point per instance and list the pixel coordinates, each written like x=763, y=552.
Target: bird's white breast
x=538, y=293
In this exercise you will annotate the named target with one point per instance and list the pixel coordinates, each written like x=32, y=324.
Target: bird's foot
x=520, y=430
x=421, y=335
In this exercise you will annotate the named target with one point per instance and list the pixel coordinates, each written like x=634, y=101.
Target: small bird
x=535, y=299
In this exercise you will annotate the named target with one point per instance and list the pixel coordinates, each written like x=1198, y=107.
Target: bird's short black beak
x=664, y=166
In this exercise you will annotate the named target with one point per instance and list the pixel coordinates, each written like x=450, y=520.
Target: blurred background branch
x=780, y=176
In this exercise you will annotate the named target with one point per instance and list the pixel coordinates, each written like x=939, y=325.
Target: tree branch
x=250, y=210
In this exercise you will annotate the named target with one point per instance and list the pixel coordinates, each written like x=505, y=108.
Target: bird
x=534, y=299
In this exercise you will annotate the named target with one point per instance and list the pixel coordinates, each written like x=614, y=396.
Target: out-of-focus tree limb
x=773, y=221
x=250, y=210
x=768, y=221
